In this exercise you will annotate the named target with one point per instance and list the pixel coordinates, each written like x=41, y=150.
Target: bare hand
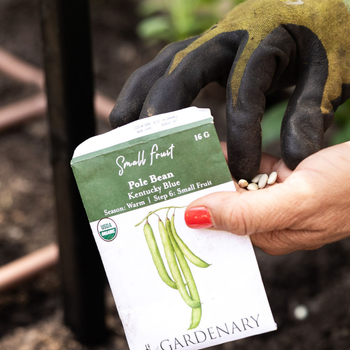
x=306, y=209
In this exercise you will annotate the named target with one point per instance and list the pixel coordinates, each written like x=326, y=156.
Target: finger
x=271, y=209
x=285, y=241
x=266, y=218
x=130, y=100
x=270, y=163
x=304, y=122
x=193, y=68
x=224, y=149
x=245, y=111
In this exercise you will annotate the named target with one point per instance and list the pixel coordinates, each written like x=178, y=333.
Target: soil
x=31, y=315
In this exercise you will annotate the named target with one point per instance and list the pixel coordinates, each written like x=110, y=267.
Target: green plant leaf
x=150, y=7
x=185, y=18
x=342, y=114
x=154, y=27
x=342, y=135
x=271, y=123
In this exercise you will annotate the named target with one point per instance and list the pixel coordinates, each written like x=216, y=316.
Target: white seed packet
x=135, y=182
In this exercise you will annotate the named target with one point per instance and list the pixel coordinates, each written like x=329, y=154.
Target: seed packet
x=174, y=287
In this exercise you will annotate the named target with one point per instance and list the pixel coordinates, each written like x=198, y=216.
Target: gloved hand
x=261, y=46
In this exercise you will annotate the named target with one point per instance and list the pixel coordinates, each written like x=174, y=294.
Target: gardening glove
x=261, y=46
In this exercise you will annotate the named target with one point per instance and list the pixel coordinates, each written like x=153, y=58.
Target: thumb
x=244, y=213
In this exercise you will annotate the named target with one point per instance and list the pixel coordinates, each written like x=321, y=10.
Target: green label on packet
x=152, y=170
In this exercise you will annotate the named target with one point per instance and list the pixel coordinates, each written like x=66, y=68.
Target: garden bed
x=31, y=314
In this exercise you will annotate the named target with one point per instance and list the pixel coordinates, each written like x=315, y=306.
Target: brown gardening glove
x=261, y=46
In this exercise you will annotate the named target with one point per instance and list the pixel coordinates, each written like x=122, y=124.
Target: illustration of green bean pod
x=173, y=266
x=196, y=312
x=157, y=258
x=195, y=317
x=194, y=259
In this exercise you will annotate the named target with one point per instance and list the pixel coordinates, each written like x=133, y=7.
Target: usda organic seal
x=107, y=229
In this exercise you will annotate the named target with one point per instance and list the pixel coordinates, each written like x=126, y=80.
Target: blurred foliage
x=342, y=122
x=174, y=20
x=271, y=124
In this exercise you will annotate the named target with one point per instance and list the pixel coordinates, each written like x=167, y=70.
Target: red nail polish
x=198, y=217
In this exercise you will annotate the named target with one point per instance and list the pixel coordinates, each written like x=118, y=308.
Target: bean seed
x=252, y=187
x=259, y=181
x=263, y=181
x=272, y=178
x=256, y=178
x=243, y=183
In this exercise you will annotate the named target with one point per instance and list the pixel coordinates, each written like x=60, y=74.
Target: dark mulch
x=31, y=314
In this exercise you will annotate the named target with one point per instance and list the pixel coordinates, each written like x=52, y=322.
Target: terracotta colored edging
x=27, y=267
x=16, y=113
x=24, y=110
x=19, y=112
x=103, y=106
x=20, y=70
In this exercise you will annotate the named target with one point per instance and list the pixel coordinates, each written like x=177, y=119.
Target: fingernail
x=198, y=217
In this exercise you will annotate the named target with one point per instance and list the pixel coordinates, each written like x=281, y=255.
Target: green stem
x=154, y=211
